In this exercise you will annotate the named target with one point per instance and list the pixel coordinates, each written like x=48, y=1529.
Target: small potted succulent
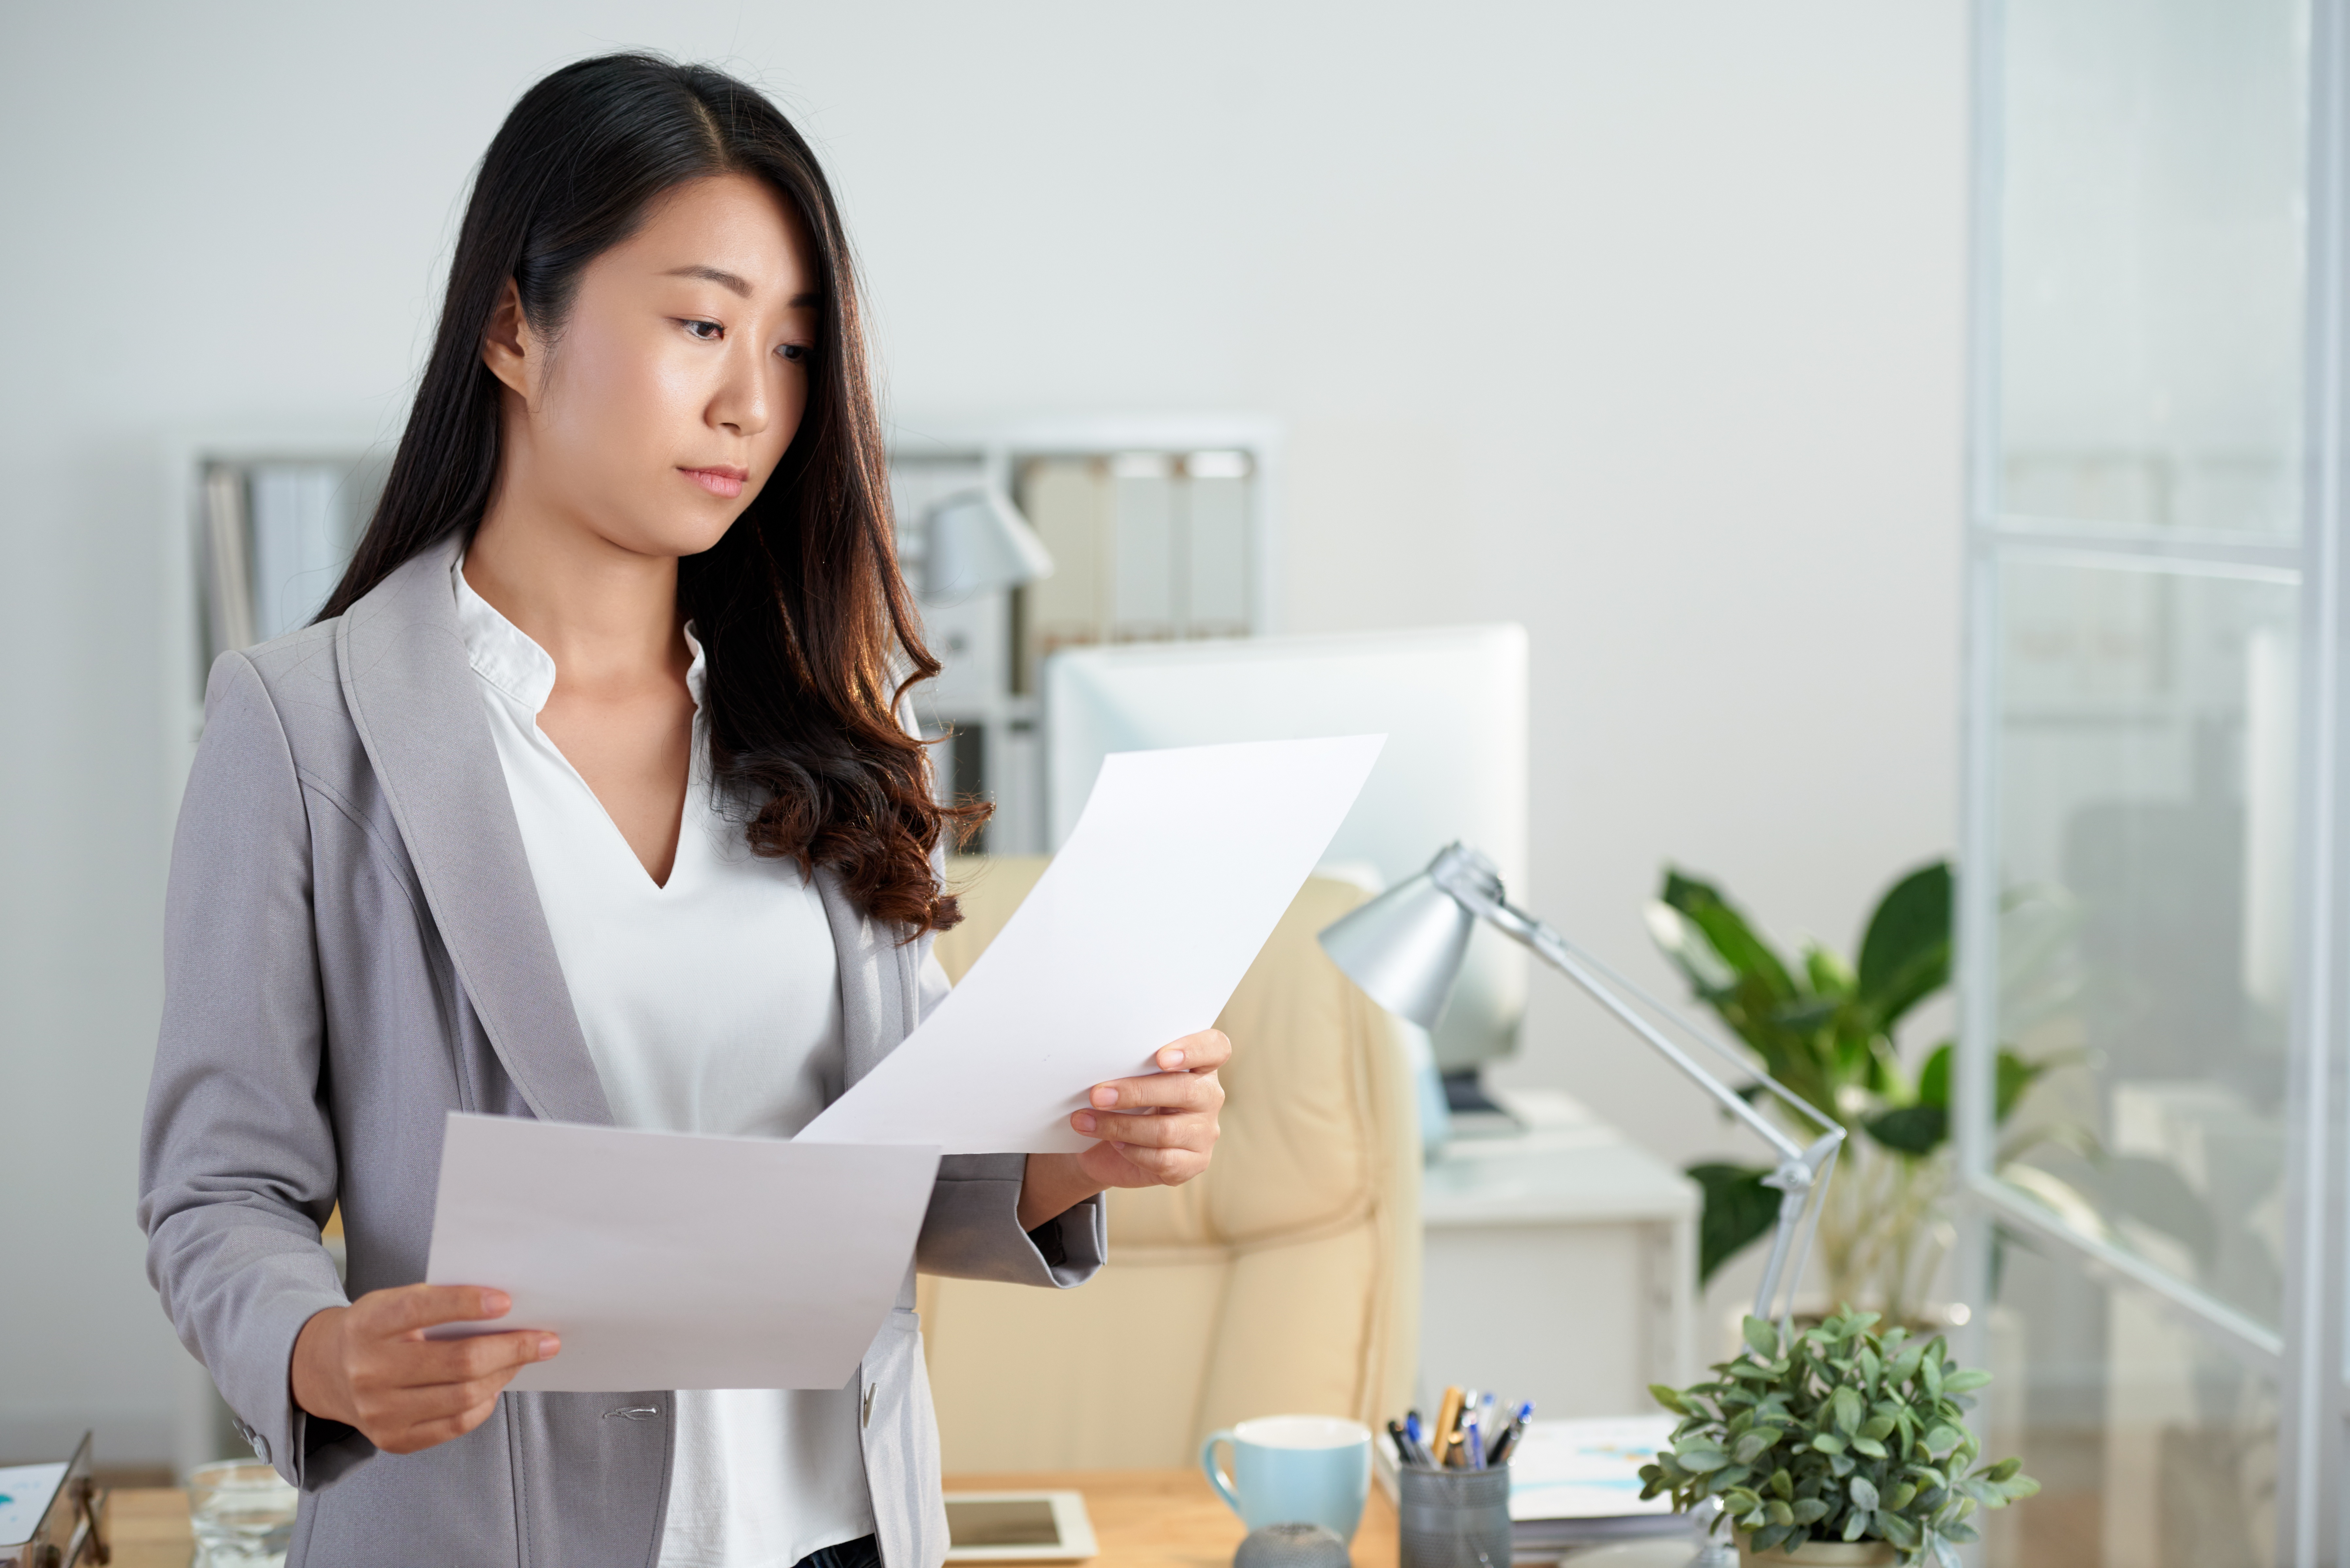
x=1836, y=1445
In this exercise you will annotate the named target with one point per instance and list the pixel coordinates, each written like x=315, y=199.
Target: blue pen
x=1473, y=1439
x=1412, y=1430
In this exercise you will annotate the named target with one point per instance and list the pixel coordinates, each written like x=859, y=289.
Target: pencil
x=1448, y=1416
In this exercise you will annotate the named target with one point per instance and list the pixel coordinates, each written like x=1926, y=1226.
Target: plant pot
x=1822, y=1554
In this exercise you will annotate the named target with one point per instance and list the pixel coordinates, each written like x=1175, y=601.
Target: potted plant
x=1825, y=1029
x=1836, y=1445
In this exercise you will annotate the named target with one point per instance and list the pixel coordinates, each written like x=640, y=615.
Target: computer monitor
x=1451, y=703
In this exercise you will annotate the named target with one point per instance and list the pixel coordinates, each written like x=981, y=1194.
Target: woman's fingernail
x=1106, y=1097
x=1170, y=1059
x=548, y=1346
x=496, y=1303
x=1085, y=1123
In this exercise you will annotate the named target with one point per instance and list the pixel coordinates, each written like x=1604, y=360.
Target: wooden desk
x=1171, y=1519
x=147, y=1527
x=1143, y=1519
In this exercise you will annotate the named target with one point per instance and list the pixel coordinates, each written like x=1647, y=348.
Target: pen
x=1412, y=1430
x=1402, y=1446
x=1473, y=1440
x=1512, y=1433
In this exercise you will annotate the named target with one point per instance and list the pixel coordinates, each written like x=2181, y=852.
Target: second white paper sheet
x=672, y=1261
x=1136, y=935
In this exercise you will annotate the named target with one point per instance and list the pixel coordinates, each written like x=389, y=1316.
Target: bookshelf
x=1162, y=527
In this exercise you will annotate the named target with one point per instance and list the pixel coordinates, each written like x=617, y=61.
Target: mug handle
x=1217, y=1478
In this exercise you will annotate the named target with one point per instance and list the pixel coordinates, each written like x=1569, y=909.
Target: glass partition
x=2153, y=1448
x=2145, y=852
x=2152, y=865
x=2151, y=212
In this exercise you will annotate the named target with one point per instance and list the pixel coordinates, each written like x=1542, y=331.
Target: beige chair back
x=1286, y=1279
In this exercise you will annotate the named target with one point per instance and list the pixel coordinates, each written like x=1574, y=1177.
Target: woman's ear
x=509, y=344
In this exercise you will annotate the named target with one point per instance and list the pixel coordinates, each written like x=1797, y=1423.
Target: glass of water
x=244, y=1514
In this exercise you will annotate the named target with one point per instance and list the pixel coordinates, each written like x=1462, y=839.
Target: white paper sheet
x=1136, y=935
x=670, y=1260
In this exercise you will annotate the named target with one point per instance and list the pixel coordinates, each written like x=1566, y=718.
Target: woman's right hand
x=368, y=1364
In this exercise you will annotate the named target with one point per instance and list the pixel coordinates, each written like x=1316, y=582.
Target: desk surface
x=147, y=1527
x=1169, y=1519
x=1143, y=1519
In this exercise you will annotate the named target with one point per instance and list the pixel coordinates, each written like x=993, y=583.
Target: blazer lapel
x=412, y=699
x=877, y=980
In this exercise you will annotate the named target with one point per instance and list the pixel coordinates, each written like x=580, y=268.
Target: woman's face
x=675, y=384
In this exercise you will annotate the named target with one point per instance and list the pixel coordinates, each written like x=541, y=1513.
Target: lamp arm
x=1801, y=1173
x=1819, y=1190
x=1705, y=1037
x=1406, y=980
x=1552, y=949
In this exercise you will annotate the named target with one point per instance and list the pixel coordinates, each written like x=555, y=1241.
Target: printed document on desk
x=673, y=1261
x=1136, y=934
x=1579, y=1481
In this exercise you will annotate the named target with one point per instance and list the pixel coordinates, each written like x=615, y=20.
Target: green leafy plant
x=1837, y=1433
x=1825, y=1029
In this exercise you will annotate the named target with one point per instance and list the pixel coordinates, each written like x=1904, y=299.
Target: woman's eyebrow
x=718, y=275
x=725, y=279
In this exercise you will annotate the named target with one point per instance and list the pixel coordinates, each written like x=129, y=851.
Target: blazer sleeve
x=972, y=1228
x=237, y=1161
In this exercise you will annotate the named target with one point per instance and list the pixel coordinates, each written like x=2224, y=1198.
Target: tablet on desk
x=1017, y=1527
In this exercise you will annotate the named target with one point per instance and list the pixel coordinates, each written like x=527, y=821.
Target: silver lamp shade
x=979, y=542
x=1404, y=948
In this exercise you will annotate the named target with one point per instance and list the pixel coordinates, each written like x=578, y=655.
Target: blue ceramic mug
x=1294, y=1470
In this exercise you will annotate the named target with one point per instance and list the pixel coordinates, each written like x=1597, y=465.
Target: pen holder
x=1454, y=1519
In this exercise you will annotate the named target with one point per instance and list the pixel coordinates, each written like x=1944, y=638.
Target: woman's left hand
x=1156, y=1130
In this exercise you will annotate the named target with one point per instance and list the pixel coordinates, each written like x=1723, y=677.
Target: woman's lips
x=724, y=482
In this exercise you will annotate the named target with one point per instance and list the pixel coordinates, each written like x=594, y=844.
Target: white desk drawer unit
x=1560, y=1265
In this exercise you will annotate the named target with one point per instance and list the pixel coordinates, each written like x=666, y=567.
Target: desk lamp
x=978, y=543
x=1404, y=949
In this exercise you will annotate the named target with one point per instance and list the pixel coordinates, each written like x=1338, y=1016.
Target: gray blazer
x=354, y=947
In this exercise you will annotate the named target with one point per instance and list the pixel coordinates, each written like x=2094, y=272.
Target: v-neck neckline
x=523, y=673
x=685, y=823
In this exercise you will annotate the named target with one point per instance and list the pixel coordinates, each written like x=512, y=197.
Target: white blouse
x=711, y=1004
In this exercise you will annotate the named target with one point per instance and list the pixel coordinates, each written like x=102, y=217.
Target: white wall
x=1637, y=323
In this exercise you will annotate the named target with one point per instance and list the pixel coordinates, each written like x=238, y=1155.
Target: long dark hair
x=811, y=636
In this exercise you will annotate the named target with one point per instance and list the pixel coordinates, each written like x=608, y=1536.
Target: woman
x=587, y=797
